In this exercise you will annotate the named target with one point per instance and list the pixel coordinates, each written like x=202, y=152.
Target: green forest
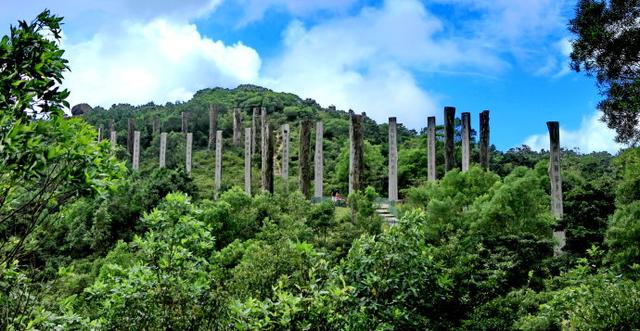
x=87, y=243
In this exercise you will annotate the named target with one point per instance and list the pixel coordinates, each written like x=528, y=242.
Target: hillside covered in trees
x=86, y=243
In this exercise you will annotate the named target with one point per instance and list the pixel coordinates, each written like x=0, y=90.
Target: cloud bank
x=160, y=61
x=593, y=135
x=375, y=59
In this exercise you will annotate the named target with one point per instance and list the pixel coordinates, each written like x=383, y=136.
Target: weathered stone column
x=555, y=175
x=155, y=126
x=267, y=170
x=319, y=161
x=131, y=127
x=357, y=153
x=136, y=150
x=100, y=130
x=431, y=148
x=263, y=142
x=254, y=129
x=185, y=121
x=393, y=159
x=217, y=180
x=304, y=164
x=188, y=156
x=163, y=150
x=114, y=139
x=237, y=127
x=449, y=130
x=112, y=126
x=285, y=157
x=484, y=140
x=213, y=125
x=351, y=150
x=466, y=141
x=248, y=139
x=554, y=169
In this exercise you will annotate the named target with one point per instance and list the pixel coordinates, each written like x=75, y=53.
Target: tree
x=31, y=65
x=608, y=46
x=47, y=160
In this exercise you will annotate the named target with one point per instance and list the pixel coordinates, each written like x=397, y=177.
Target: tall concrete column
x=254, y=129
x=100, y=130
x=112, y=126
x=466, y=141
x=185, y=121
x=357, y=153
x=449, y=130
x=263, y=137
x=555, y=175
x=248, y=139
x=155, y=126
x=237, y=127
x=351, y=114
x=285, y=157
x=114, y=139
x=213, y=125
x=319, y=161
x=136, y=150
x=431, y=148
x=217, y=180
x=188, y=156
x=131, y=127
x=484, y=140
x=393, y=159
x=163, y=150
x=267, y=161
x=304, y=163
x=554, y=169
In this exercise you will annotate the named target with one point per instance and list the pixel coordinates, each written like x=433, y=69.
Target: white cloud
x=593, y=135
x=366, y=62
x=158, y=61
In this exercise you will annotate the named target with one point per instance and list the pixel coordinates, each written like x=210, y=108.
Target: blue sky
x=404, y=58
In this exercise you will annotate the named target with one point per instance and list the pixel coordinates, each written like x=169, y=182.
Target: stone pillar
x=188, y=156
x=449, y=130
x=237, y=127
x=267, y=162
x=213, y=125
x=357, y=153
x=114, y=139
x=100, y=130
x=131, y=127
x=393, y=159
x=319, y=161
x=254, y=130
x=555, y=175
x=554, y=169
x=351, y=114
x=155, y=127
x=248, y=139
x=136, y=150
x=112, y=126
x=285, y=157
x=484, y=140
x=217, y=180
x=431, y=148
x=185, y=122
x=466, y=141
x=263, y=142
x=304, y=164
x=163, y=150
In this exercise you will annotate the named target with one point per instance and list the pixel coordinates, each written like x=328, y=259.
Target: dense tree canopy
x=608, y=47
